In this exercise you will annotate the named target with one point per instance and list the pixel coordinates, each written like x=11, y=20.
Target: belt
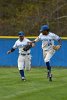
x=24, y=54
x=45, y=50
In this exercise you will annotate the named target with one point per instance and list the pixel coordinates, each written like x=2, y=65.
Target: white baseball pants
x=24, y=61
x=48, y=54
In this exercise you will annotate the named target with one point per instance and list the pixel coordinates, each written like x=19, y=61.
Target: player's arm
x=59, y=42
x=29, y=42
x=12, y=49
x=29, y=45
x=36, y=40
x=57, y=38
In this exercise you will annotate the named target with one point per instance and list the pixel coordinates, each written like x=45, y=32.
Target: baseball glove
x=27, y=47
x=57, y=47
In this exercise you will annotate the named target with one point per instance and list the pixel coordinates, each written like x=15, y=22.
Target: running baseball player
x=48, y=46
x=24, y=59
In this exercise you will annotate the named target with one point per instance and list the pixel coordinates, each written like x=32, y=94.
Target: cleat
x=50, y=77
x=23, y=79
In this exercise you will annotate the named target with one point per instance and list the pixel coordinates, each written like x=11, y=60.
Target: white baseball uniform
x=47, y=44
x=24, y=59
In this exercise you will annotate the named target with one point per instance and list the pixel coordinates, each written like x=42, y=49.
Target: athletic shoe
x=23, y=79
x=50, y=77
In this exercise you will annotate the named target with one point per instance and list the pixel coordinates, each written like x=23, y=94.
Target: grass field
x=36, y=87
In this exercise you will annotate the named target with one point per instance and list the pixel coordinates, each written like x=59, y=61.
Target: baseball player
x=24, y=59
x=48, y=46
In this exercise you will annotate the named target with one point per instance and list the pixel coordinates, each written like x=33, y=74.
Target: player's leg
x=21, y=65
x=28, y=62
x=49, y=75
x=48, y=56
x=47, y=62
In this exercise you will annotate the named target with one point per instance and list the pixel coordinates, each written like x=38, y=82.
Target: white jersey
x=20, y=44
x=48, y=40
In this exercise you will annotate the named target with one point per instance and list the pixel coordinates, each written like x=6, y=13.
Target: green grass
x=37, y=86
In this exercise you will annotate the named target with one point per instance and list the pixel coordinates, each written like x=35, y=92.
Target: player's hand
x=8, y=52
x=31, y=43
x=57, y=47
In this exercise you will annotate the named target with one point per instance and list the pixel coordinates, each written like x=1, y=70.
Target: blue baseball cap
x=21, y=33
x=44, y=28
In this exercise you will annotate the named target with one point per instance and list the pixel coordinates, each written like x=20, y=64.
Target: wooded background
x=30, y=15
